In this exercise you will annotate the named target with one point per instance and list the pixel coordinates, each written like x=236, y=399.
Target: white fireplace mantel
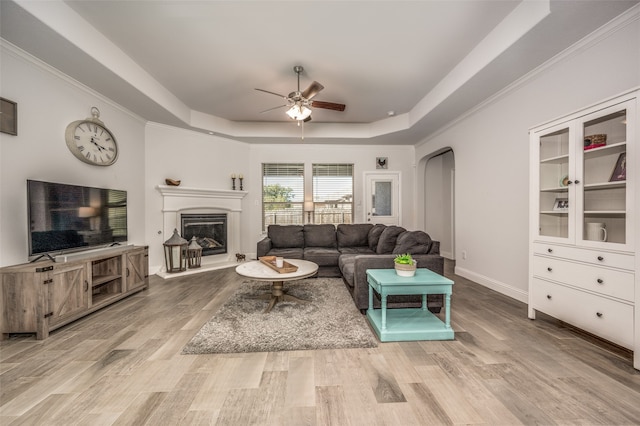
x=179, y=199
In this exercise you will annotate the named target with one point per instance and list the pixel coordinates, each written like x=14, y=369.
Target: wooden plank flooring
x=122, y=366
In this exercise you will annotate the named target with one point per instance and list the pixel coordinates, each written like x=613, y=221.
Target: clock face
x=92, y=143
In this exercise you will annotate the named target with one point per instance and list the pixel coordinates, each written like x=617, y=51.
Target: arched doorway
x=439, y=200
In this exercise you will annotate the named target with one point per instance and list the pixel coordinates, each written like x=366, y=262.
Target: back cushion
x=286, y=236
x=413, y=242
x=374, y=235
x=388, y=238
x=320, y=235
x=353, y=235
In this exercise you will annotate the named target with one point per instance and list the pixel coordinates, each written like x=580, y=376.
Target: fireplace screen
x=210, y=231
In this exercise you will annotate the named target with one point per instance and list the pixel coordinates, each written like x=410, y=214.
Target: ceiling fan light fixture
x=299, y=112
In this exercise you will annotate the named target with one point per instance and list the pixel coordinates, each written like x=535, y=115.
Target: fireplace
x=178, y=201
x=210, y=231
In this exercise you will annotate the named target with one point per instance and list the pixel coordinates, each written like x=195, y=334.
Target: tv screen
x=70, y=217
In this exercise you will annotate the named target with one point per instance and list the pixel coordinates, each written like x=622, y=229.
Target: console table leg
x=424, y=302
x=447, y=306
x=384, y=311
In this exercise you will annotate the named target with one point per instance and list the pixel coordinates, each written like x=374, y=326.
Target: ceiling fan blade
x=313, y=89
x=272, y=93
x=328, y=105
x=306, y=120
x=271, y=109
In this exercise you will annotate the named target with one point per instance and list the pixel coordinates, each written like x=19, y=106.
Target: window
x=333, y=193
x=282, y=194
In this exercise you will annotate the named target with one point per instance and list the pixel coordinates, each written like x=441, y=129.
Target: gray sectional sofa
x=348, y=250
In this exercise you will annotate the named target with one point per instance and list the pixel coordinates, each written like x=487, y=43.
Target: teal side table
x=395, y=325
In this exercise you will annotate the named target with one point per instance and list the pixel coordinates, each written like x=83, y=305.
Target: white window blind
x=333, y=193
x=282, y=193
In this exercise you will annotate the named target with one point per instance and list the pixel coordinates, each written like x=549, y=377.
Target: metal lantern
x=194, y=253
x=175, y=253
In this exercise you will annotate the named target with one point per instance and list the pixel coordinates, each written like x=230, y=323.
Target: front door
x=382, y=198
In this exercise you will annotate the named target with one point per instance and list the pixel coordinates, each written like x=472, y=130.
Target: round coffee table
x=258, y=271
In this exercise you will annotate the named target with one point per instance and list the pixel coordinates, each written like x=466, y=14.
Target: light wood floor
x=123, y=366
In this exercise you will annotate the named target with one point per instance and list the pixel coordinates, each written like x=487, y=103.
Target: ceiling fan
x=300, y=103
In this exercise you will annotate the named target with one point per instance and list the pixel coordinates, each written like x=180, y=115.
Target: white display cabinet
x=584, y=221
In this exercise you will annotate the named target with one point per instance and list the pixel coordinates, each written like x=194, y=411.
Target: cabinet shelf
x=555, y=189
x=99, y=280
x=620, y=146
x=555, y=160
x=605, y=212
x=605, y=185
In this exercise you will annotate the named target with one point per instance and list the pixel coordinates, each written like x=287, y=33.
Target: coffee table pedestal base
x=409, y=324
x=278, y=295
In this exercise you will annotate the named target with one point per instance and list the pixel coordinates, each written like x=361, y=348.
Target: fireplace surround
x=178, y=201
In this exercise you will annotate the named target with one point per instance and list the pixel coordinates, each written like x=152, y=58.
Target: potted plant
x=405, y=265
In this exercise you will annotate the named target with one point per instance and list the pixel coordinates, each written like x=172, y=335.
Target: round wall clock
x=90, y=141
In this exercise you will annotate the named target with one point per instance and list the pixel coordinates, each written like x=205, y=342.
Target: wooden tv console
x=42, y=296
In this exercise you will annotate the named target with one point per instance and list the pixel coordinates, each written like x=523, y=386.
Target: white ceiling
x=196, y=64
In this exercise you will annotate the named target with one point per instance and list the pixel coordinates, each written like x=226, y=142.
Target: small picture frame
x=561, y=204
x=8, y=117
x=381, y=162
x=620, y=170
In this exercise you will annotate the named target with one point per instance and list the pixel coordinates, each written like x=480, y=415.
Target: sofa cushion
x=353, y=235
x=320, y=235
x=374, y=235
x=388, y=238
x=289, y=253
x=347, y=263
x=286, y=236
x=356, y=250
x=413, y=242
x=322, y=256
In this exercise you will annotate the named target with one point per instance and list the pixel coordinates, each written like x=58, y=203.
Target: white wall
x=491, y=154
x=47, y=103
x=198, y=160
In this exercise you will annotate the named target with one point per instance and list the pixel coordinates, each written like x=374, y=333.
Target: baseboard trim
x=500, y=287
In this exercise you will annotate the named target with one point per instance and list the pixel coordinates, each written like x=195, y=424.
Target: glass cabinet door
x=555, y=198
x=602, y=204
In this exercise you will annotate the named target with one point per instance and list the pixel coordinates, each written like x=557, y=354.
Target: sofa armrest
x=434, y=262
x=264, y=246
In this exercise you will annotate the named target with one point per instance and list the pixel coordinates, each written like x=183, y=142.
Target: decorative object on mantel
x=241, y=179
x=175, y=253
x=172, y=182
x=8, y=117
x=194, y=253
x=233, y=181
x=405, y=265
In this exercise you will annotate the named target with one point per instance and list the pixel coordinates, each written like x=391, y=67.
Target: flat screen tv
x=65, y=218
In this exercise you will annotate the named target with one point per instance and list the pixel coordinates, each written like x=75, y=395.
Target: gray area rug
x=330, y=321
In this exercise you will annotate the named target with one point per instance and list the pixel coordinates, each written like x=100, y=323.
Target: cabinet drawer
x=611, y=282
x=603, y=317
x=597, y=257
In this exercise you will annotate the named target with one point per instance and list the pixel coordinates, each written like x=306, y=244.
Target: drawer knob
x=599, y=314
x=549, y=269
x=550, y=250
x=600, y=281
x=600, y=258
x=549, y=296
